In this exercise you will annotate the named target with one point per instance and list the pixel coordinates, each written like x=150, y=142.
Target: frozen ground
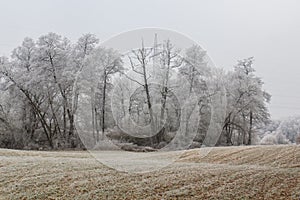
x=255, y=172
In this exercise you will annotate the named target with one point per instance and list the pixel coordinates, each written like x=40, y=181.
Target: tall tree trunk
x=146, y=86
x=250, y=129
x=103, y=105
x=64, y=120
x=93, y=113
x=97, y=125
x=243, y=132
x=162, y=113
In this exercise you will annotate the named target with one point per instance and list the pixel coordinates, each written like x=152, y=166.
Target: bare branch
x=133, y=66
x=128, y=77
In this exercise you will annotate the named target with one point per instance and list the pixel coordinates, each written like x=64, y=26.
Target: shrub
x=269, y=140
x=298, y=139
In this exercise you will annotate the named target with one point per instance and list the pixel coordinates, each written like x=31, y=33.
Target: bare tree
x=105, y=63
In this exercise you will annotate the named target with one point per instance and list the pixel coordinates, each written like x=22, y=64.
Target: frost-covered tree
x=247, y=104
x=285, y=131
x=196, y=72
x=103, y=63
x=40, y=76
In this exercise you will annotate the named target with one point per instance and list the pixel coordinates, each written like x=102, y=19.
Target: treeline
x=38, y=103
x=285, y=131
x=58, y=94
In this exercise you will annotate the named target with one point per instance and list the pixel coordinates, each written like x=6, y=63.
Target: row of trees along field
x=44, y=82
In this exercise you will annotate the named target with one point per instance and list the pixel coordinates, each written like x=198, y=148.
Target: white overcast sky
x=229, y=30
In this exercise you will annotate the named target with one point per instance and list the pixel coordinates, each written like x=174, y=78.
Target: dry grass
x=258, y=172
x=282, y=156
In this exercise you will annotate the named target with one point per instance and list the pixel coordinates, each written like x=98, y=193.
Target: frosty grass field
x=249, y=172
